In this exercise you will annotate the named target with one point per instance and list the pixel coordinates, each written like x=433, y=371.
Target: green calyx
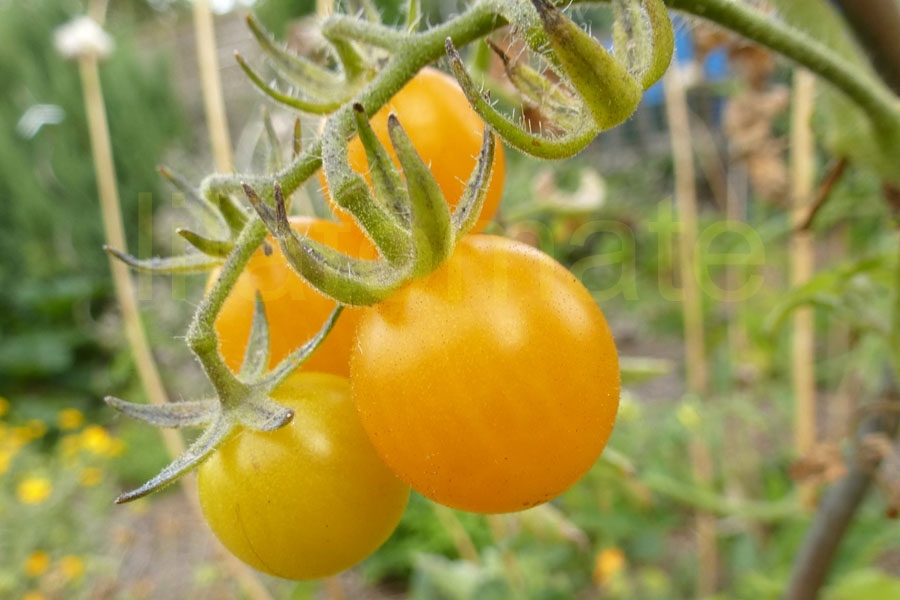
x=243, y=402
x=406, y=216
x=314, y=88
x=593, y=90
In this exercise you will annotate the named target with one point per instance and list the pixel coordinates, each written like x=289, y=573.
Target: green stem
x=201, y=334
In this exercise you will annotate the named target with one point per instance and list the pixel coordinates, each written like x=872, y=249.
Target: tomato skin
x=492, y=384
x=310, y=499
x=295, y=311
x=447, y=134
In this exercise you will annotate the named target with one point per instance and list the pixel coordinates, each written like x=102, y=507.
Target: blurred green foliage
x=54, y=273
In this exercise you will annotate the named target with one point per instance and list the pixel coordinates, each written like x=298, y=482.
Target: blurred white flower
x=82, y=36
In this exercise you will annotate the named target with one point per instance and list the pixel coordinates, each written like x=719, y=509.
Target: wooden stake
x=214, y=103
x=695, y=351
x=802, y=266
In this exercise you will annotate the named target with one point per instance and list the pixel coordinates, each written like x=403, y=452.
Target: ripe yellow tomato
x=307, y=500
x=491, y=385
x=447, y=134
x=294, y=310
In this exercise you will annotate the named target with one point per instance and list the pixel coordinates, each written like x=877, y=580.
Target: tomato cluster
x=490, y=385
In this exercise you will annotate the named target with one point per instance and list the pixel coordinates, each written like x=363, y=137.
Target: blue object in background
x=715, y=66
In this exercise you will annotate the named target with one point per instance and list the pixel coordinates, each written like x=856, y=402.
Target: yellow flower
x=609, y=561
x=90, y=476
x=36, y=563
x=72, y=567
x=34, y=490
x=33, y=595
x=70, y=418
x=96, y=440
x=4, y=406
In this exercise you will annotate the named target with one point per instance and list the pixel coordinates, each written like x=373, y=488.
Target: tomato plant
x=309, y=499
x=294, y=310
x=490, y=385
x=447, y=134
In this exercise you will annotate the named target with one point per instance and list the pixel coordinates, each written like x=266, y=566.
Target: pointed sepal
x=603, y=82
x=568, y=143
x=205, y=444
x=212, y=248
x=190, y=413
x=376, y=216
x=169, y=265
x=469, y=207
x=256, y=357
x=195, y=199
x=430, y=223
x=303, y=104
x=346, y=279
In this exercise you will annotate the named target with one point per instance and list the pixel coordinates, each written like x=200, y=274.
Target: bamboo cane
x=802, y=264
x=695, y=352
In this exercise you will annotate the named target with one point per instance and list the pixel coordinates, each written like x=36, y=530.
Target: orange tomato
x=295, y=311
x=490, y=385
x=447, y=134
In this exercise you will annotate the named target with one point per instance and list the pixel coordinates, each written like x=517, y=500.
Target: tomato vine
x=404, y=212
